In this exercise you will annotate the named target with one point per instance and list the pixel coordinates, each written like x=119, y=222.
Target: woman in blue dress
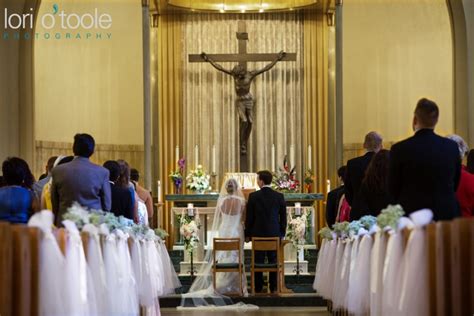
x=17, y=200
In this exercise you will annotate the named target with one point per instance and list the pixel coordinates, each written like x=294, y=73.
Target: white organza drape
x=210, y=116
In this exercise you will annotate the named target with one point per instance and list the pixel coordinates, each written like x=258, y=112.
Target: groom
x=266, y=217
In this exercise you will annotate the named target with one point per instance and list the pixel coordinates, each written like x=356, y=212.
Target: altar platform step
x=302, y=284
x=311, y=256
x=287, y=300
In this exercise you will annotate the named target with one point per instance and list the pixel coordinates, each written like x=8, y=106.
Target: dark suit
x=424, y=173
x=266, y=217
x=332, y=205
x=355, y=173
x=123, y=201
x=81, y=181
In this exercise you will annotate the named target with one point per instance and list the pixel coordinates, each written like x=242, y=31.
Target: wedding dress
x=227, y=224
x=51, y=267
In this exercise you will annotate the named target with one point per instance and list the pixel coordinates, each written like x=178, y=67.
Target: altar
x=204, y=207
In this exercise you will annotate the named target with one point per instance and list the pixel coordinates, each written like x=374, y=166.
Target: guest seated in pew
x=336, y=201
x=465, y=191
x=373, y=195
x=17, y=199
x=122, y=197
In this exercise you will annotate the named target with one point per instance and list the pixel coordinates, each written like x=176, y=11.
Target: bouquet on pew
x=80, y=216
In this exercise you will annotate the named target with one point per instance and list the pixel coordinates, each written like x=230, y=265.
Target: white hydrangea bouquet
x=189, y=229
x=197, y=180
x=296, y=231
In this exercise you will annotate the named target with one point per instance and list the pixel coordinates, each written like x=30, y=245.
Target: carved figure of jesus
x=245, y=100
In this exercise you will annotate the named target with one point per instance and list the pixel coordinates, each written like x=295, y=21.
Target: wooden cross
x=242, y=57
x=244, y=81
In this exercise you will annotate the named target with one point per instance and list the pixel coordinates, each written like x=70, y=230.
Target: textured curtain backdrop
x=209, y=113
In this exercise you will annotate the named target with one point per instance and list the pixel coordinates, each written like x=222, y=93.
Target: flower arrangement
x=326, y=233
x=198, y=180
x=296, y=230
x=80, y=216
x=341, y=229
x=389, y=217
x=189, y=229
x=308, y=180
x=368, y=221
x=285, y=180
x=177, y=175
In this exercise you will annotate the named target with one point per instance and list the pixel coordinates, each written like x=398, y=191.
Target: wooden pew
x=6, y=259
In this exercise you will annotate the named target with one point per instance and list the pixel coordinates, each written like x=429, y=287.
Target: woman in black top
x=373, y=195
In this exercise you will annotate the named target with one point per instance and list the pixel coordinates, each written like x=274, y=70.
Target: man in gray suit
x=80, y=181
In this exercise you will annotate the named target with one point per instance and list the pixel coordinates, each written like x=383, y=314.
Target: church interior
x=192, y=94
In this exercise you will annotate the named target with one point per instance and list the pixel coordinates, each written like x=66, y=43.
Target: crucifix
x=242, y=79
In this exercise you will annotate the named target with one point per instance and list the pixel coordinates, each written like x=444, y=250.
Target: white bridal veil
x=227, y=223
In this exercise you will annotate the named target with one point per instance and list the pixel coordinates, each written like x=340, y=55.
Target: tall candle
x=214, y=159
x=176, y=153
x=158, y=184
x=297, y=208
x=190, y=209
x=310, y=157
x=292, y=156
x=196, y=155
x=273, y=157
x=328, y=183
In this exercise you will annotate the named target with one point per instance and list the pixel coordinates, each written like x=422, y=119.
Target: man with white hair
x=465, y=191
x=356, y=167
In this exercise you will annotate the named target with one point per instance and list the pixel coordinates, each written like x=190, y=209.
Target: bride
x=228, y=223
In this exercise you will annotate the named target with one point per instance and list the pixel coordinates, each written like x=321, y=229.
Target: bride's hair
x=231, y=186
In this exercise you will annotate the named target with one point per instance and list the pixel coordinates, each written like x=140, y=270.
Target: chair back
x=265, y=243
x=226, y=244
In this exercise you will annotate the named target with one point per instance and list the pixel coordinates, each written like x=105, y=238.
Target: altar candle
x=309, y=157
x=158, y=185
x=328, y=185
x=297, y=208
x=176, y=153
x=196, y=155
x=213, y=159
x=292, y=156
x=190, y=209
x=273, y=157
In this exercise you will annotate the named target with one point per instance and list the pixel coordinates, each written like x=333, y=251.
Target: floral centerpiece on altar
x=296, y=229
x=285, y=180
x=177, y=175
x=197, y=180
x=189, y=229
x=309, y=180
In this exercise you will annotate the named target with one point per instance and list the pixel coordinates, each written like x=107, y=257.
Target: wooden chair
x=265, y=244
x=227, y=244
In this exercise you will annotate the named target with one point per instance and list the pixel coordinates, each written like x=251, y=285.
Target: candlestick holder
x=214, y=182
